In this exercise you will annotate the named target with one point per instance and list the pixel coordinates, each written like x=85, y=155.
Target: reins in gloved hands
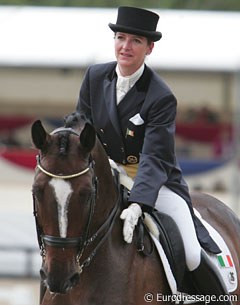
x=130, y=217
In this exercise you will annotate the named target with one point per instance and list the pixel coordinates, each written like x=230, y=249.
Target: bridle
x=84, y=240
x=60, y=176
x=42, y=169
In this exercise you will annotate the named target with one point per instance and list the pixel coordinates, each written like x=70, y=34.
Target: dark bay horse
x=76, y=205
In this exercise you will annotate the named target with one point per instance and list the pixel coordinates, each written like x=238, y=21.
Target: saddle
x=169, y=238
x=169, y=245
x=171, y=242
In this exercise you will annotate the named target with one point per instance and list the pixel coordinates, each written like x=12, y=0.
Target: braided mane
x=72, y=120
x=63, y=143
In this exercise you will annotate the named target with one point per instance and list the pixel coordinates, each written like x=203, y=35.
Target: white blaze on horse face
x=62, y=191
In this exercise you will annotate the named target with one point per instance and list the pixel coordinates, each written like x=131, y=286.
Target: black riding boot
x=208, y=281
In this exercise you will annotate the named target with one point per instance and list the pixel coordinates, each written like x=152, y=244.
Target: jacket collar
x=143, y=82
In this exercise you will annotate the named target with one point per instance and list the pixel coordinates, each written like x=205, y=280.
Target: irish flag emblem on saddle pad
x=225, y=261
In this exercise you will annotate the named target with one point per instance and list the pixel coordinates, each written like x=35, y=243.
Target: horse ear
x=39, y=135
x=88, y=137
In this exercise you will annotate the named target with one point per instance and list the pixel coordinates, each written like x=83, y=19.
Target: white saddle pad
x=223, y=261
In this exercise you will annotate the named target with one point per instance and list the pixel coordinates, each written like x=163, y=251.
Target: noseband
x=83, y=241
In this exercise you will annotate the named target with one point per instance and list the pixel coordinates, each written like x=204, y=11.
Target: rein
x=83, y=241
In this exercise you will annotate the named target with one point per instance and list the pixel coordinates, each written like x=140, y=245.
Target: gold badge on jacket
x=132, y=159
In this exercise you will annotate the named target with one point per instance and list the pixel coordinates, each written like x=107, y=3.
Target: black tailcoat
x=140, y=129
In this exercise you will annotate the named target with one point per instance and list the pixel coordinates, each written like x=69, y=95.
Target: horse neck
x=107, y=191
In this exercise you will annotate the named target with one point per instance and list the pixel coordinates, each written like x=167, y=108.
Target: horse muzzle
x=57, y=283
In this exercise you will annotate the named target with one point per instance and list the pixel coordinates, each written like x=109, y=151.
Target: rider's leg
x=173, y=205
x=205, y=276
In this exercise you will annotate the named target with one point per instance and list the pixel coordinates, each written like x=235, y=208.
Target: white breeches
x=175, y=206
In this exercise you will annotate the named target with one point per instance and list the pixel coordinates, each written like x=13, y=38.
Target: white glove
x=130, y=217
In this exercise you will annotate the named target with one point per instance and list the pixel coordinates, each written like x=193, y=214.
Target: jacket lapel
x=109, y=88
x=136, y=95
x=131, y=101
x=133, y=98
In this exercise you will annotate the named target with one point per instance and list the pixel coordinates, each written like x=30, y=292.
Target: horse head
x=65, y=195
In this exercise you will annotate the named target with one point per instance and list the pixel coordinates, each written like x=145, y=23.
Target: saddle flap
x=171, y=241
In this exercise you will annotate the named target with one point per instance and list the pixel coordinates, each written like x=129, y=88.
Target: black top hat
x=137, y=21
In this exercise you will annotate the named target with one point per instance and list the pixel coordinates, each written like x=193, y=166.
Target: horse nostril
x=70, y=283
x=74, y=280
x=59, y=285
x=43, y=274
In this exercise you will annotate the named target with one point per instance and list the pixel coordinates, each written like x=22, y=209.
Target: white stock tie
x=123, y=85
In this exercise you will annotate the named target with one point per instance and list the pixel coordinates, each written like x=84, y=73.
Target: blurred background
x=45, y=49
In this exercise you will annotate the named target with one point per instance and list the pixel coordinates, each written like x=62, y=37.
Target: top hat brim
x=154, y=36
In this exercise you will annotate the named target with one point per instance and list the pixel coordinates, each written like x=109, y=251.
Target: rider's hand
x=130, y=217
